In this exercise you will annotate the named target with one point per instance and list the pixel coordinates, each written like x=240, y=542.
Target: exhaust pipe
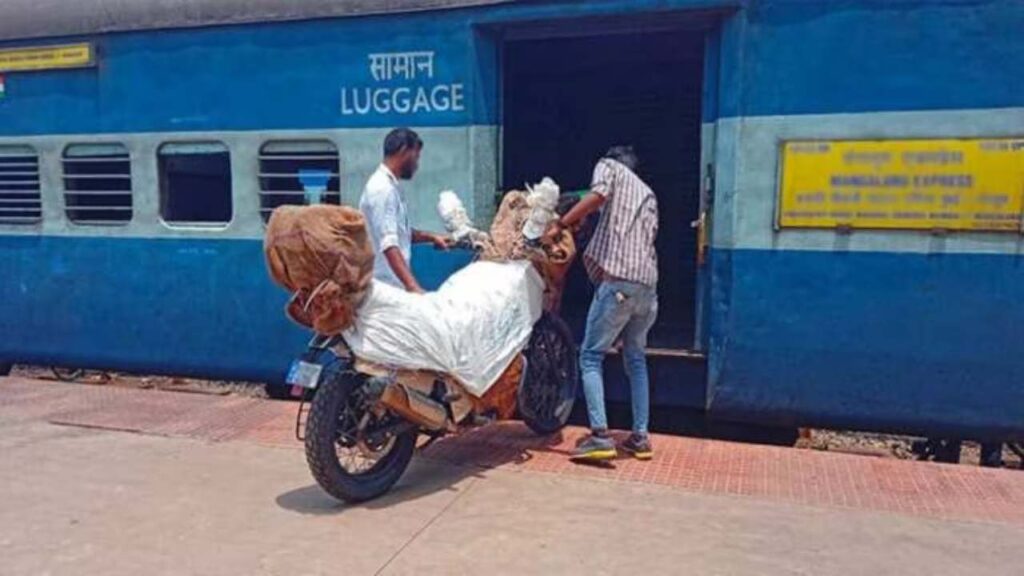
x=416, y=407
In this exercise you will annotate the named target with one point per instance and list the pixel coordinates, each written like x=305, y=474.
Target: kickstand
x=431, y=438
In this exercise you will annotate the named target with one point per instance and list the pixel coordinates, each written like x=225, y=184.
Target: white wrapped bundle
x=543, y=199
x=456, y=220
x=472, y=327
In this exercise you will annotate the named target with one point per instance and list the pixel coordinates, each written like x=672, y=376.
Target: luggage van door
x=572, y=89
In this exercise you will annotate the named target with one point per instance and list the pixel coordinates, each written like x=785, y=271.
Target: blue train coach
x=840, y=181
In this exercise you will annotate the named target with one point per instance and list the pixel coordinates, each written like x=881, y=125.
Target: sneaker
x=639, y=446
x=594, y=448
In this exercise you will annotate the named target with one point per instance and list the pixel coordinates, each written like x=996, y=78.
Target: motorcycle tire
x=321, y=453
x=549, y=389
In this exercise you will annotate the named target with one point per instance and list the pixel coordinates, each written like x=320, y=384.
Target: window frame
x=29, y=151
x=264, y=155
x=161, y=191
x=129, y=158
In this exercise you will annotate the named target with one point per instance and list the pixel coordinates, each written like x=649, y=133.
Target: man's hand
x=554, y=230
x=439, y=241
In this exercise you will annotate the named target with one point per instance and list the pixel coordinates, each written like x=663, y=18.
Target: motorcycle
x=361, y=423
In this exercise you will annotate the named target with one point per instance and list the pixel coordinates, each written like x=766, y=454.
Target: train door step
x=681, y=353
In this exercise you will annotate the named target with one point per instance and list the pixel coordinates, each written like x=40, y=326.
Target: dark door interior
x=567, y=100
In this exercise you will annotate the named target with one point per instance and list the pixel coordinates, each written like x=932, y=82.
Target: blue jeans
x=622, y=309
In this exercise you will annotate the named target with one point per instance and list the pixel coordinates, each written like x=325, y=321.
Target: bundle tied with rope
x=470, y=333
x=521, y=231
x=552, y=256
x=323, y=257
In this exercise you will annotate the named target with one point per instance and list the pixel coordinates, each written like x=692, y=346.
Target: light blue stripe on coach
x=462, y=159
x=747, y=170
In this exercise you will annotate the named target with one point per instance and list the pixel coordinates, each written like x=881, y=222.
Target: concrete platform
x=106, y=481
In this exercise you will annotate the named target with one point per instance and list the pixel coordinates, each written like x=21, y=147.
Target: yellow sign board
x=903, y=184
x=46, y=57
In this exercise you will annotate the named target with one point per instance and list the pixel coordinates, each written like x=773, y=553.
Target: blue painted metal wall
x=875, y=330
x=868, y=56
x=869, y=340
x=258, y=77
x=787, y=57
x=276, y=75
x=201, y=307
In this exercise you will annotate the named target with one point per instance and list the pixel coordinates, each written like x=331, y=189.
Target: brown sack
x=321, y=254
x=552, y=259
x=501, y=397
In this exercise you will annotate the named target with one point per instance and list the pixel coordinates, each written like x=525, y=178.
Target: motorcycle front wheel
x=354, y=454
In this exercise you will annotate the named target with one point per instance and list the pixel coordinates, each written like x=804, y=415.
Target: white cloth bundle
x=472, y=327
x=456, y=220
x=543, y=199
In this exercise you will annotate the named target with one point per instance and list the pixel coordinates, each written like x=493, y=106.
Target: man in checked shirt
x=622, y=263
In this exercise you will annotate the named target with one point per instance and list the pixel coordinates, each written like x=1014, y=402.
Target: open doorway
x=568, y=99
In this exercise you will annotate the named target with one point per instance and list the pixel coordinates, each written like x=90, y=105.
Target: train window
x=195, y=183
x=298, y=172
x=20, y=201
x=97, y=183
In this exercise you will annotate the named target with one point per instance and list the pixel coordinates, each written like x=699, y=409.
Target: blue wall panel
x=801, y=56
x=778, y=57
x=192, y=308
x=869, y=340
x=262, y=76
x=186, y=307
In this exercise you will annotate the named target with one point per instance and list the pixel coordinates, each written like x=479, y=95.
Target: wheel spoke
x=355, y=454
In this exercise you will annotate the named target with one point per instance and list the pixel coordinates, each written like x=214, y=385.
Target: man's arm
x=591, y=203
x=439, y=241
x=600, y=191
x=384, y=219
x=397, y=263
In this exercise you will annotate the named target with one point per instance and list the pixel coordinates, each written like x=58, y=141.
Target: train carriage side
x=904, y=327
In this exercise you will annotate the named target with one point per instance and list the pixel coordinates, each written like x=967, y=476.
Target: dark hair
x=623, y=155
x=401, y=139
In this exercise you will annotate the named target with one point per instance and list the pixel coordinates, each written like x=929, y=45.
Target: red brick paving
x=709, y=466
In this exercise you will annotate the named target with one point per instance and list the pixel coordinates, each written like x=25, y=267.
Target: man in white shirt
x=387, y=216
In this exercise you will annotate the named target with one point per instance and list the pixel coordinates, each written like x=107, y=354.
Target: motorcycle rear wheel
x=336, y=411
